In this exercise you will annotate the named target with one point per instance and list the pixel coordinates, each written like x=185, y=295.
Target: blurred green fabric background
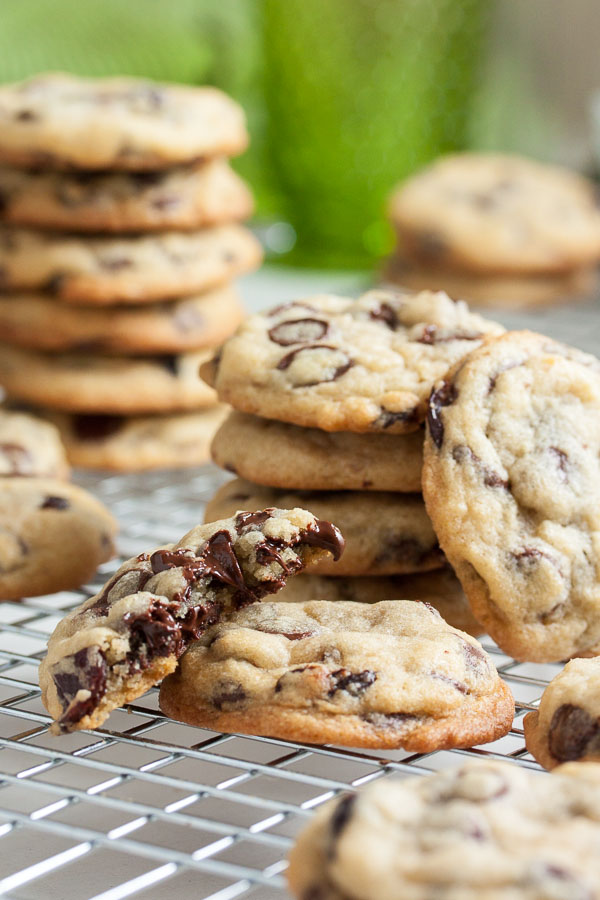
x=344, y=97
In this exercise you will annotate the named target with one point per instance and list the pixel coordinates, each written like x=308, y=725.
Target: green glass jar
x=359, y=94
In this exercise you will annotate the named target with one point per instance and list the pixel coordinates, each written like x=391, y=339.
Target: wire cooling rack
x=150, y=808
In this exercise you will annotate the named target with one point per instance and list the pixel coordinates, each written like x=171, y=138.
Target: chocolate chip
x=334, y=373
x=433, y=335
x=461, y=454
x=503, y=368
x=440, y=397
x=342, y=814
x=143, y=180
x=115, y=263
x=298, y=331
x=55, y=503
x=54, y=285
x=573, y=733
x=26, y=115
x=385, y=313
x=353, y=683
x=430, y=246
x=325, y=536
x=18, y=458
x=3, y=202
x=562, y=460
x=88, y=673
x=167, y=201
x=459, y=685
x=170, y=363
x=232, y=692
x=131, y=581
x=386, y=418
x=95, y=427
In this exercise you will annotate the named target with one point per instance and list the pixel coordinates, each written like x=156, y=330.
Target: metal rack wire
x=150, y=808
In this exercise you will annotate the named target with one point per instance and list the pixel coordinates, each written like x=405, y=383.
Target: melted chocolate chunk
x=245, y=519
x=386, y=418
x=354, y=683
x=18, y=458
x=95, y=427
x=228, y=693
x=461, y=453
x=443, y=396
x=89, y=674
x=152, y=633
x=55, y=503
x=385, y=313
x=431, y=335
x=286, y=361
x=573, y=733
x=326, y=536
x=217, y=559
x=298, y=331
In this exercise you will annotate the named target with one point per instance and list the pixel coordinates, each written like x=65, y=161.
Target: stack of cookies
x=329, y=397
x=119, y=243
x=496, y=229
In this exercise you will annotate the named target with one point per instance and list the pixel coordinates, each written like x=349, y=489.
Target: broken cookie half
x=116, y=645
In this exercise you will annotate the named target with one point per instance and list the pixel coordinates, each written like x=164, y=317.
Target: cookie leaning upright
x=511, y=481
x=119, y=643
x=120, y=236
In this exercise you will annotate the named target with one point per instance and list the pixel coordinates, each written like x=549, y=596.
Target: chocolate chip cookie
x=187, y=197
x=493, y=213
x=440, y=588
x=61, y=121
x=567, y=725
x=53, y=536
x=386, y=533
x=363, y=675
x=364, y=365
x=119, y=643
x=125, y=269
x=496, y=290
x=80, y=382
x=137, y=443
x=40, y=322
x=484, y=831
x=314, y=460
x=512, y=484
x=30, y=447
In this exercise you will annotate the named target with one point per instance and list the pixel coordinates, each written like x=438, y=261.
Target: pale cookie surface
x=512, y=484
x=440, y=588
x=386, y=533
x=130, y=635
x=281, y=455
x=137, y=443
x=40, y=322
x=494, y=213
x=363, y=675
x=363, y=365
x=57, y=120
x=187, y=197
x=53, y=536
x=31, y=447
x=130, y=269
x=567, y=724
x=80, y=382
x=511, y=291
x=484, y=831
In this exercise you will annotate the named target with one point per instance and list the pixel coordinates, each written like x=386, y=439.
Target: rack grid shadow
x=150, y=808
